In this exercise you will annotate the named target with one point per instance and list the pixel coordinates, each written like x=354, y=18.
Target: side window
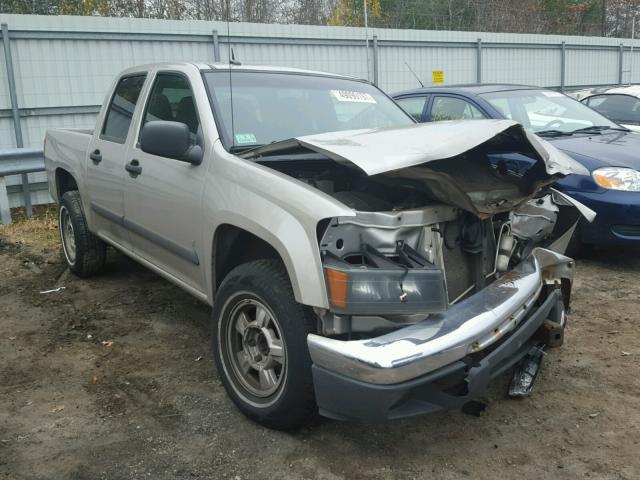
x=619, y=108
x=123, y=104
x=596, y=100
x=171, y=100
x=502, y=105
x=450, y=108
x=413, y=106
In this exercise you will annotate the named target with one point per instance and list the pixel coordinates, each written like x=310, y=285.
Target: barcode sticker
x=356, y=97
x=548, y=93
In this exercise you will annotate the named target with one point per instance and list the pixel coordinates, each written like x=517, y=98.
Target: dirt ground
x=113, y=378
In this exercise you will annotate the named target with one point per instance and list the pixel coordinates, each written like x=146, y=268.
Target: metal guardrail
x=17, y=161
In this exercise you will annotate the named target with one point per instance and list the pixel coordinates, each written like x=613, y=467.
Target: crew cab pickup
x=358, y=264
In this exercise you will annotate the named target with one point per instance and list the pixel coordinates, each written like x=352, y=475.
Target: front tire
x=575, y=247
x=260, y=345
x=84, y=253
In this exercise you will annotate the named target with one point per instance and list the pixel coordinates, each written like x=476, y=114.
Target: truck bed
x=66, y=148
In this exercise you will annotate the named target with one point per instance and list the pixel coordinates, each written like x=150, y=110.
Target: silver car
x=358, y=264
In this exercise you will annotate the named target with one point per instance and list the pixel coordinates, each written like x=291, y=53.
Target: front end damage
x=446, y=359
x=423, y=314
x=450, y=270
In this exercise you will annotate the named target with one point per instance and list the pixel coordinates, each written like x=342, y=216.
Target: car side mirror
x=170, y=140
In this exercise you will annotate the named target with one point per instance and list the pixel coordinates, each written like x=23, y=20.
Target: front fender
x=276, y=208
x=296, y=246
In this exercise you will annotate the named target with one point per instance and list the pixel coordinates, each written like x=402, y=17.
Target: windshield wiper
x=593, y=129
x=601, y=128
x=243, y=148
x=552, y=133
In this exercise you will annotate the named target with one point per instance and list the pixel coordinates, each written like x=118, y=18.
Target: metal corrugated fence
x=63, y=65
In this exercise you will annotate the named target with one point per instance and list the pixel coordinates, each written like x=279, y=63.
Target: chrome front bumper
x=467, y=327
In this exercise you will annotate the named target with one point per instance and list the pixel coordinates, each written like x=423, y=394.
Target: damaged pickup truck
x=358, y=264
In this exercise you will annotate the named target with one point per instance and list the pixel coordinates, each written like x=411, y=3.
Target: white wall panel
x=458, y=64
x=592, y=67
x=521, y=65
x=71, y=61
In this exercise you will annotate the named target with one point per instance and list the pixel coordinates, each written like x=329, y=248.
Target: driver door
x=163, y=196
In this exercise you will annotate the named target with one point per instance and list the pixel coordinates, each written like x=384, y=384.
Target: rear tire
x=260, y=345
x=84, y=253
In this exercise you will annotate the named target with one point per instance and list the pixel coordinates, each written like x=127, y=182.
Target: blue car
x=609, y=151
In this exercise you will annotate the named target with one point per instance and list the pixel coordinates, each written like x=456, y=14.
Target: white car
x=620, y=104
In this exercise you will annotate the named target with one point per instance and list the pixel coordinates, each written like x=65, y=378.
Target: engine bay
x=351, y=186
x=406, y=254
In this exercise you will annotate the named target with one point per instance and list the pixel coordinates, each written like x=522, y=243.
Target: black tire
x=87, y=256
x=574, y=248
x=577, y=248
x=266, y=283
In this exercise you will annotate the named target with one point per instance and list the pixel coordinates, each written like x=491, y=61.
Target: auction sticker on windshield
x=348, y=96
x=547, y=93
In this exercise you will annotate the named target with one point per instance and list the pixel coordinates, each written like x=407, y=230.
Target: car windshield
x=546, y=112
x=269, y=107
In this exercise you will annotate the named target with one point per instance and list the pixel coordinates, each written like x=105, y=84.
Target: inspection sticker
x=357, y=97
x=244, y=138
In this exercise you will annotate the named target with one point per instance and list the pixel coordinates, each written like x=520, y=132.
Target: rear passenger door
x=105, y=175
x=163, y=202
x=451, y=107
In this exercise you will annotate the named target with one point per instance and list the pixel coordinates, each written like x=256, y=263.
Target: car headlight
x=617, y=178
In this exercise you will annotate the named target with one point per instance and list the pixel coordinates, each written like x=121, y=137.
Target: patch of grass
x=41, y=229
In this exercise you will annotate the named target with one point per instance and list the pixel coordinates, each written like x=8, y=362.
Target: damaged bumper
x=445, y=360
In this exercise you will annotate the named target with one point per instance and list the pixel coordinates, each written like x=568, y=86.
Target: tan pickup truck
x=358, y=264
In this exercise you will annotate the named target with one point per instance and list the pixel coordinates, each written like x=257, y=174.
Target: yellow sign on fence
x=437, y=76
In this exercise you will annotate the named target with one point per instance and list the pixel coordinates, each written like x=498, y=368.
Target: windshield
x=269, y=107
x=546, y=111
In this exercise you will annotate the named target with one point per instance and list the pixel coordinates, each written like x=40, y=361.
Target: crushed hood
x=383, y=150
x=416, y=152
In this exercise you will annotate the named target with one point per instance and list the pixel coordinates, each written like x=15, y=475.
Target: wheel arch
x=233, y=245
x=65, y=182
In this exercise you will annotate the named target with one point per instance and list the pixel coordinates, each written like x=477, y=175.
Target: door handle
x=96, y=156
x=134, y=168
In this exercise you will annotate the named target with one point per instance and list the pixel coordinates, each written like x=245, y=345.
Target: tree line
x=567, y=17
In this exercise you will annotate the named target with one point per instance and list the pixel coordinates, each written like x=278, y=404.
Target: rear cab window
x=121, y=108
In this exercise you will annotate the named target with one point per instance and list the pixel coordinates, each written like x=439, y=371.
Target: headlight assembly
x=617, y=178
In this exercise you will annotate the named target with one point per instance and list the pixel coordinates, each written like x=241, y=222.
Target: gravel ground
x=113, y=378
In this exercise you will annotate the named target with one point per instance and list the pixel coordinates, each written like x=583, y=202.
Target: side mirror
x=170, y=140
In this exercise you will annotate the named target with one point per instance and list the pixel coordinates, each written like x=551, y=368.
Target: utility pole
x=633, y=40
x=366, y=38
